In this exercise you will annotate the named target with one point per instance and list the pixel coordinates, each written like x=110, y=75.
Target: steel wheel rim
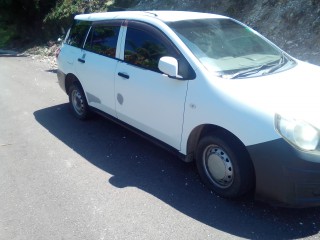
x=218, y=166
x=77, y=102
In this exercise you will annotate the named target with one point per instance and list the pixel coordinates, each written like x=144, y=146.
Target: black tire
x=224, y=165
x=78, y=102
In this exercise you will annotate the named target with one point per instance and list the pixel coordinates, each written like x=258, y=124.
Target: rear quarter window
x=78, y=33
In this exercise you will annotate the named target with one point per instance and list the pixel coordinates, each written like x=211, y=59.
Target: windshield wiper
x=283, y=60
x=249, y=71
x=271, y=67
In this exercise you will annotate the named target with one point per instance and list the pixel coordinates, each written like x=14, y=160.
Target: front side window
x=144, y=49
x=78, y=33
x=103, y=40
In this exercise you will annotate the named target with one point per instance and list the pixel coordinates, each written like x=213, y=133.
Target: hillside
x=294, y=25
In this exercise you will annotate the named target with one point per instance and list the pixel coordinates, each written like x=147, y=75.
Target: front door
x=146, y=98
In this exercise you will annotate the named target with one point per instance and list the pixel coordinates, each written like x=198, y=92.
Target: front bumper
x=286, y=176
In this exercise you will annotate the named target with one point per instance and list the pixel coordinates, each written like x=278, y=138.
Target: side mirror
x=169, y=66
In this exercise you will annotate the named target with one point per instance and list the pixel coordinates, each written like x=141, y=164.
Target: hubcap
x=77, y=102
x=218, y=166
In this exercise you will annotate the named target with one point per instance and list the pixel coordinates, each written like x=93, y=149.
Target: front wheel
x=78, y=102
x=224, y=165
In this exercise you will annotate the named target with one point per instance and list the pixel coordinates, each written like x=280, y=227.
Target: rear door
x=146, y=98
x=97, y=64
x=72, y=46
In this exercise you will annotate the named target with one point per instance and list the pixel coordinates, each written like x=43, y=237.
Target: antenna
x=154, y=14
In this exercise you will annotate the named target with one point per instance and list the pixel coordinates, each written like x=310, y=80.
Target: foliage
x=21, y=20
x=7, y=33
x=42, y=20
x=64, y=10
x=20, y=12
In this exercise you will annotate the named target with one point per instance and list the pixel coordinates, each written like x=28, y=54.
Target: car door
x=97, y=64
x=146, y=98
x=72, y=46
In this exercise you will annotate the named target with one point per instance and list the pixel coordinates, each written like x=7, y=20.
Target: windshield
x=225, y=46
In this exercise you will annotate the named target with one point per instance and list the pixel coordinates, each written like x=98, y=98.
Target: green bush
x=44, y=20
x=65, y=9
x=7, y=33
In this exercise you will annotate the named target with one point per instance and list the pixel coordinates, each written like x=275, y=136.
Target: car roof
x=165, y=16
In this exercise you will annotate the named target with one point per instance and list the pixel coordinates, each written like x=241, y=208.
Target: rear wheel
x=224, y=165
x=78, y=102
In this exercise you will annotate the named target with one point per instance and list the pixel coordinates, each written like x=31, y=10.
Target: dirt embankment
x=294, y=25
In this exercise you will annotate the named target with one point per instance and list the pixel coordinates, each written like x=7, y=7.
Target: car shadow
x=52, y=71
x=134, y=161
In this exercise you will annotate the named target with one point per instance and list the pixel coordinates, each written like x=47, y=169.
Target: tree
x=30, y=20
x=24, y=17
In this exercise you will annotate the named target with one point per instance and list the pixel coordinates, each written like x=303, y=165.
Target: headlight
x=298, y=133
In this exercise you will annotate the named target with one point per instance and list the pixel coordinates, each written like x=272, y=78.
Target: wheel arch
x=195, y=136
x=202, y=130
x=70, y=79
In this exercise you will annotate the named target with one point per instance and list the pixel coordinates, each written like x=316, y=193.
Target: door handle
x=126, y=76
x=81, y=60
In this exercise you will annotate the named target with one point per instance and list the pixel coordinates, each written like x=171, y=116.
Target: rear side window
x=103, y=40
x=78, y=33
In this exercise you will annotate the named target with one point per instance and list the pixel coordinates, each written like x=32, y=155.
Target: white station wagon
x=207, y=87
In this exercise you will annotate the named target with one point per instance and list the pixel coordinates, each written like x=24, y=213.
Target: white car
x=207, y=87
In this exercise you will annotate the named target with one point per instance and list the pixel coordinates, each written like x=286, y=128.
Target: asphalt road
x=61, y=178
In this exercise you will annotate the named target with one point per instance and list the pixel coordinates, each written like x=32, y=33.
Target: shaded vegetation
x=22, y=20
x=37, y=21
x=7, y=33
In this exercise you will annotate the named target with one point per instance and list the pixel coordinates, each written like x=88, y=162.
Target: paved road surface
x=61, y=178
